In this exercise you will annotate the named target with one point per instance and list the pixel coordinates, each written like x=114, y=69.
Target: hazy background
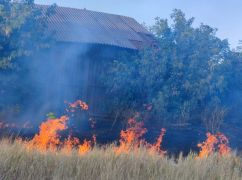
x=226, y=15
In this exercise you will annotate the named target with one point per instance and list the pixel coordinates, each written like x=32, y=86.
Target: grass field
x=16, y=162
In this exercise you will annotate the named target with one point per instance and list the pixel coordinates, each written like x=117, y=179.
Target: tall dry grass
x=18, y=163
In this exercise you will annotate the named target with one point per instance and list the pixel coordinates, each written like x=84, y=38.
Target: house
x=86, y=40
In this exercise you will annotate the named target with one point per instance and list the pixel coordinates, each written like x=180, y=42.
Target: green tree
x=22, y=30
x=177, y=79
x=22, y=33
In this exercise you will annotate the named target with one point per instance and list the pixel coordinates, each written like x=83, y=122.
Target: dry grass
x=17, y=163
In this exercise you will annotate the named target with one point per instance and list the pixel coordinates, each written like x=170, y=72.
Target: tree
x=174, y=81
x=239, y=47
x=22, y=30
x=22, y=33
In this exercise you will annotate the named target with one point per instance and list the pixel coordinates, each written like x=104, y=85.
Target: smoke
x=67, y=72
x=51, y=78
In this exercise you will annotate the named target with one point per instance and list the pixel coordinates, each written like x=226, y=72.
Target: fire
x=85, y=147
x=131, y=139
x=78, y=104
x=153, y=149
x=223, y=147
x=218, y=142
x=70, y=144
x=48, y=137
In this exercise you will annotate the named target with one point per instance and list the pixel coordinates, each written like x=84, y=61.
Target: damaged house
x=86, y=41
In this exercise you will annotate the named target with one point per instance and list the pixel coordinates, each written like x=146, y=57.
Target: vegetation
x=21, y=24
x=16, y=162
x=22, y=34
x=185, y=77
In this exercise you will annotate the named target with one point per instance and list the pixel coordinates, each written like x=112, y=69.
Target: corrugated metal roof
x=85, y=26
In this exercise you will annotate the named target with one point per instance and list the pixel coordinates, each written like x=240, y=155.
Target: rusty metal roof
x=85, y=26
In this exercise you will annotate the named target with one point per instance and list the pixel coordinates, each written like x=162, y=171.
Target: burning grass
x=50, y=156
x=17, y=162
x=48, y=138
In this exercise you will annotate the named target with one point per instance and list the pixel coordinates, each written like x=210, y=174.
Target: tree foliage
x=239, y=47
x=22, y=33
x=22, y=30
x=177, y=80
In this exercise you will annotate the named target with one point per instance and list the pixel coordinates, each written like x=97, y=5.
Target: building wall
x=99, y=57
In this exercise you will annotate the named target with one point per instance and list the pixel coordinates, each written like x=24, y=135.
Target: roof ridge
x=84, y=9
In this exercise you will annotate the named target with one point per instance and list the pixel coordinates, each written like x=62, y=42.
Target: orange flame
x=78, y=104
x=223, y=147
x=131, y=139
x=85, y=147
x=156, y=148
x=48, y=137
x=218, y=142
x=70, y=144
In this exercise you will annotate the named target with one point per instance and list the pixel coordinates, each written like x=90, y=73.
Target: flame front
x=156, y=148
x=223, y=147
x=48, y=137
x=85, y=147
x=218, y=142
x=70, y=144
x=131, y=139
x=78, y=104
